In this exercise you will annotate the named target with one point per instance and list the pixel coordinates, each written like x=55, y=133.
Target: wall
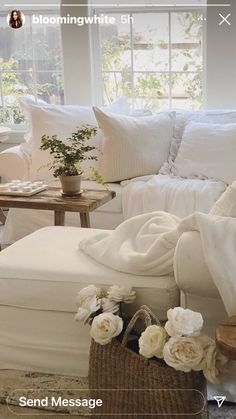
x=77, y=59
x=221, y=57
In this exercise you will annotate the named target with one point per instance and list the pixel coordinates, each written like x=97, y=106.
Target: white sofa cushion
x=134, y=146
x=27, y=282
x=178, y=196
x=46, y=269
x=40, y=277
x=207, y=151
x=44, y=118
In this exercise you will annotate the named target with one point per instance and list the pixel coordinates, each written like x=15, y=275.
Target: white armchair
x=198, y=290
x=14, y=164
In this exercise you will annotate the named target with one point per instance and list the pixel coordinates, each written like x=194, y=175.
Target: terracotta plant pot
x=71, y=185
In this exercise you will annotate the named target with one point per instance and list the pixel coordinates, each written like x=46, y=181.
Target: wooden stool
x=226, y=337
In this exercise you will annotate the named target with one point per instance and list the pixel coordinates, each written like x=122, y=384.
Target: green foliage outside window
x=153, y=89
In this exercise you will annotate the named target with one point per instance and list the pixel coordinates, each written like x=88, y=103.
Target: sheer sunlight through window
x=156, y=59
x=30, y=63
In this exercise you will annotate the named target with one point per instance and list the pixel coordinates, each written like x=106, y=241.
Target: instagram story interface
x=118, y=208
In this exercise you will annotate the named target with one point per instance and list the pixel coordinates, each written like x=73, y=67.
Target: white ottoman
x=40, y=276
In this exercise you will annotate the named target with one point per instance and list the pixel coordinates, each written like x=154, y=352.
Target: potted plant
x=68, y=156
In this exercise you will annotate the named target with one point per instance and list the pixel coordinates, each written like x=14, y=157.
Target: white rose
x=87, y=294
x=109, y=306
x=214, y=362
x=84, y=312
x=88, y=302
x=106, y=326
x=184, y=354
x=206, y=341
x=118, y=294
x=152, y=341
x=183, y=322
x=82, y=315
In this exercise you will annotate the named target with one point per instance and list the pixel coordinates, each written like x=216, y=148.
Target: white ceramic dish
x=21, y=188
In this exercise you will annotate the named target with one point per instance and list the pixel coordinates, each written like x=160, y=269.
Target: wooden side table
x=226, y=337
x=52, y=200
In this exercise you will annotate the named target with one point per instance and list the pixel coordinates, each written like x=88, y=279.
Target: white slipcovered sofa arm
x=14, y=164
x=191, y=272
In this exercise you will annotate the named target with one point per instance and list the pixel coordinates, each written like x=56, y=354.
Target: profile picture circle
x=16, y=19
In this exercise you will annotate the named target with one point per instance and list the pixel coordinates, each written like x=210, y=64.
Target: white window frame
x=96, y=42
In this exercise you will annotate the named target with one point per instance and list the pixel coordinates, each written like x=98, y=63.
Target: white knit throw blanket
x=145, y=245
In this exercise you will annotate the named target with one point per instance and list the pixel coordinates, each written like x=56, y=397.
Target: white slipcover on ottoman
x=40, y=276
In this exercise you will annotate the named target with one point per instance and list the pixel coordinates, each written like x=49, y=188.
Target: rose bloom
x=83, y=314
x=183, y=322
x=105, y=327
x=87, y=294
x=184, y=354
x=152, y=341
x=109, y=306
x=215, y=363
x=88, y=302
x=119, y=294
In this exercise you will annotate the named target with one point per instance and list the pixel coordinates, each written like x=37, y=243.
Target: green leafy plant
x=68, y=155
x=95, y=175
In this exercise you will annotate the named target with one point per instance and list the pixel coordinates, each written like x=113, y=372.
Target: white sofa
x=40, y=276
x=180, y=196
x=66, y=270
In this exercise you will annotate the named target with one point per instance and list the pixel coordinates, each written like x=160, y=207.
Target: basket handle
x=149, y=319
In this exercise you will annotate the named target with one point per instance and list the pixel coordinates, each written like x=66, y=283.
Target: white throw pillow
x=62, y=120
x=213, y=116
x=134, y=146
x=207, y=151
x=183, y=118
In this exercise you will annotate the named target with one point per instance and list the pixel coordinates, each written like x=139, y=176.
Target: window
x=156, y=59
x=30, y=63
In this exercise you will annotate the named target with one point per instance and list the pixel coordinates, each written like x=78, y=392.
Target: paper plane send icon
x=219, y=400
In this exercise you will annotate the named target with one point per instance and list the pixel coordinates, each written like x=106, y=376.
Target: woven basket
x=153, y=387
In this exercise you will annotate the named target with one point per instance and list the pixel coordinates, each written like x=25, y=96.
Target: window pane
x=14, y=85
x=47, y=47
x=146, y=69
x=115, y=85
x=49, y=87
x=187, y=90
x=151, y=90
x=16, y=46
x=30, y=63
x=186, y=41
x=151, y=41
x=115, y=45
